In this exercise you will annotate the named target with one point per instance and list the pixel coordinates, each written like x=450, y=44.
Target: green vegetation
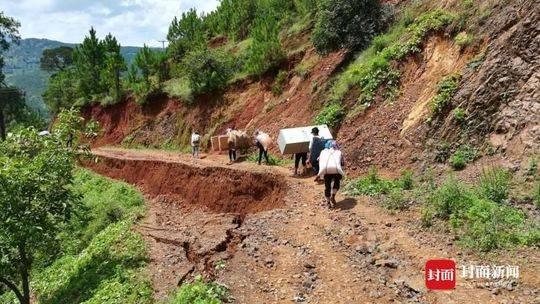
x=346, y=24
x=279, y=82
x=393, y=194
x=201, y=293
x=14, y=112
x=207, y=70
x=372, y=184
x=460, y=115
x=36, y=202
x=479, y=222
x=463, y=155
x=373, y=69
x=445, y=91
x=265, y=52
x=463, y=39
x=494, y=184
x=331, y=115
x=273, y=160
x=458, y=160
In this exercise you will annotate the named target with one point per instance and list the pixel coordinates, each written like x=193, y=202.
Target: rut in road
x=270, y=239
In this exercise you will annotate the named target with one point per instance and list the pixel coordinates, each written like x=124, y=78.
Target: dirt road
x=270, y=239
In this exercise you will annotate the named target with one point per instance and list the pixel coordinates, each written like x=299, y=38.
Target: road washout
x=295, y=250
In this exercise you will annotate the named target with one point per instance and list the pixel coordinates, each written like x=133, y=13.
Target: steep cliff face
x=498, y=94
x=501, y=91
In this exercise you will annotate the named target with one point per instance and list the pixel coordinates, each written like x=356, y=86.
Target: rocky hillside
x=464, y=79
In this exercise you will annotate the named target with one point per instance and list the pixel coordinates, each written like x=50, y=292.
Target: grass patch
x=476, y=220
x=200, y=292
x=274, y=161
x=179, y=88
x=494, y=184
x=331, y=115
x=445, y=91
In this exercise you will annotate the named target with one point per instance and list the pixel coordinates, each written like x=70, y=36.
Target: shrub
x=487, y=226
x=201, y=293
x=207, y=70
x=494, y=184
x=406, y=180
x=445, y=91
x=346, y=24
x=330, y=115
x=458, y=161
x=396, y=200
x=463, y=40
x=459, y=115
x=370, y=185
x=180, y=88
x=452, y=197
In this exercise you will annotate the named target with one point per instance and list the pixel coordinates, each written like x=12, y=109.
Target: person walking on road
x=331, y=169
x=262, y=141
x=300, y=157
x=195, y=144
x=316, y=145
x=231, y=141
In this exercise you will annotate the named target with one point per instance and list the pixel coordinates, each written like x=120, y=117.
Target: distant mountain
x=22, y=67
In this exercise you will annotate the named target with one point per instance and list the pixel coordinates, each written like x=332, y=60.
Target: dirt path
x=269, y=238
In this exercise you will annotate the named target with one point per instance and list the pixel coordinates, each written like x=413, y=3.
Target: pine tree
x=114, y=65
x=89, y=58
x=266, y=50
x=186, y=34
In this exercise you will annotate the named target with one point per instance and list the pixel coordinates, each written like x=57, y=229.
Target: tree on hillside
x=56, y=59
x=186, y=34
x=145, y=62
x=89, y=58
x=236, y=17
x=346, y=24
x=62, y=90
x=36, y=202
x=266, y=50
x=11, y=107
x=114, y=65
x=9, y=33
x=207, y=70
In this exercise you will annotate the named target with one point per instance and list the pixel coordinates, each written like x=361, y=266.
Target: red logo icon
x=440, y=274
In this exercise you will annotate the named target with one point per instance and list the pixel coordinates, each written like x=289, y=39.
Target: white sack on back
x=264, y=139
x=330, y=162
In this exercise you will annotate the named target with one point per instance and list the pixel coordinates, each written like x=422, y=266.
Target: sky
x=132, y=22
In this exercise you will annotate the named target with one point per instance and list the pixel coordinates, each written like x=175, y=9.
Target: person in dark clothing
x=299, y=157
x=261, y=141
x=262, y=152
x=316, y=145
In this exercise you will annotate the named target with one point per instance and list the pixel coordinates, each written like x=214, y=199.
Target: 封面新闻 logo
x=440, y=274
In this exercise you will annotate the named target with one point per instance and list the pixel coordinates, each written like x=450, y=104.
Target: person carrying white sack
x=331, y=165
x=195, y=143
x=262, y=141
